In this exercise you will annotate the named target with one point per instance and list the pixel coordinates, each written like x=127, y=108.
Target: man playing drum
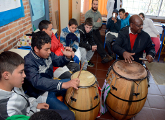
x=132, y=41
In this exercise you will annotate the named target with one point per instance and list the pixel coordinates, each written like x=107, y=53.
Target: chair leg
x=160, y=52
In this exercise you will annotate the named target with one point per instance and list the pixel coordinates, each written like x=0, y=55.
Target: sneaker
x=106, y=59
x=90, y=64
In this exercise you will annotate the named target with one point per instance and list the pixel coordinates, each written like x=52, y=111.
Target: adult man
x=132, y=41
x=97, y=19
x=39, y=64
x=87, y=44
x=113, y=26
x=124, y=16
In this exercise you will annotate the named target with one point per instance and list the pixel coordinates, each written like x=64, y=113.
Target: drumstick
x=77, y=77
x=144, y=59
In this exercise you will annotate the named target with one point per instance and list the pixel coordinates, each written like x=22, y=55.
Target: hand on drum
x=149, y=58
x=128, y=57
x=72, y=83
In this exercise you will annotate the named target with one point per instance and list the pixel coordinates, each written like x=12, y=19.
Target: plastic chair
x=162, y=42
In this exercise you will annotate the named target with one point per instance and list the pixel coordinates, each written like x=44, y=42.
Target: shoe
x=106, y=59
x=90, y=64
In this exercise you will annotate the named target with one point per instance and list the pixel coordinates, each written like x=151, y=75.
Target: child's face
x=16, y=79
x=44, y=52
x=72, y=28
x=49, y=30
x=88, y=28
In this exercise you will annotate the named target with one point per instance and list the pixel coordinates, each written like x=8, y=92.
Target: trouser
x=52, y=100
x=100, y=46
x=109, y=39
x=85, y=57
x=156, y=42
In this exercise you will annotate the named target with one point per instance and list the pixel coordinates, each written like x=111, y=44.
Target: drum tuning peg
x=73, y=99
x=114, y=88
x=136, y=94
x=96, y=97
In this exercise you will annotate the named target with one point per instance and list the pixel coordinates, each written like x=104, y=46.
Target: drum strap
x=128, y=100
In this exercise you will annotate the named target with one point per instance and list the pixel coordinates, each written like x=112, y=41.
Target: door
x=39, y=10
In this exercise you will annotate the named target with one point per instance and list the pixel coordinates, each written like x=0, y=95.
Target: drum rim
x=128, y=78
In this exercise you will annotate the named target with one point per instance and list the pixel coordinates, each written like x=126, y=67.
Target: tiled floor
x=154, y=108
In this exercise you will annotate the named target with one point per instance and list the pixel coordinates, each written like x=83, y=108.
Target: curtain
x=86, y=6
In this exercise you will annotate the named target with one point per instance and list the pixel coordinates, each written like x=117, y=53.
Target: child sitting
x=70, y=36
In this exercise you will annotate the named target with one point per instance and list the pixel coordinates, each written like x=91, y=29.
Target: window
x=148, y=7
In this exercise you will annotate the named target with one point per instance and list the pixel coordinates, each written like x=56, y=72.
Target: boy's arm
x=63, y=38
x=118, y=25
x=75, y=44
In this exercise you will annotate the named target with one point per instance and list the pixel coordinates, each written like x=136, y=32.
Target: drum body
x=85, y=101
x=129, y=88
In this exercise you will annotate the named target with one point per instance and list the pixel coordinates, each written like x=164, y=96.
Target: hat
x=115, y=11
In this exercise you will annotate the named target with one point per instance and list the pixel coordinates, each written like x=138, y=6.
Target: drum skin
x=85, y=102
x=129, y=88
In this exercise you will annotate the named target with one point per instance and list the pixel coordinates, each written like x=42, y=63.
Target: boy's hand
x=42, y=106
x=72, y=83
x=68, y=54
x=68, y=49
x=94, y=47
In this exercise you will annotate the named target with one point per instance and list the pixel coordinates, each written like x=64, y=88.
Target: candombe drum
x=85, y=102
x=129, y=88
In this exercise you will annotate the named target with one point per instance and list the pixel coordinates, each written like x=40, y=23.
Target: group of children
x=34, y=76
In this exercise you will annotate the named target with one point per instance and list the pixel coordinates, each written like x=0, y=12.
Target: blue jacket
x=39, y=73
x=74, y=43
x=125, y=22
x=113, y=27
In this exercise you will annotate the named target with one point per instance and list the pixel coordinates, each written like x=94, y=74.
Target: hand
x=128, y=56
x=67, y=52
x=68, y=48
x=42, y=106
x=72, y=83
x=99, y=20
x=73, y=54
x=149, y=58
x=94, y=47
x=158, y=36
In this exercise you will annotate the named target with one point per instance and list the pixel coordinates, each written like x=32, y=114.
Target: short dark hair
x=9, y=61
x=142, y=14
x=73, y=22
x=94, y=0
x=89, y=21
x=40, y=38
x=122, y=10
x=43, y=24
x=46, y=115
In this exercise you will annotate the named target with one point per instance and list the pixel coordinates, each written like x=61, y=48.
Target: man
x=124, y=16
x=39, y=64
x=132, y=41
x=113, y=26
x=87, y=44
x=97, y=20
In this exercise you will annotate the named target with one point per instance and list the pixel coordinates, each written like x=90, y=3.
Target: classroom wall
x=10, y=33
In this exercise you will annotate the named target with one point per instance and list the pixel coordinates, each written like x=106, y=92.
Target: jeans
x=52, y=100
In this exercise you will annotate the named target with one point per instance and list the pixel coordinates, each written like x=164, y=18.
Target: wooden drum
x=85, y=101
x=129, y=88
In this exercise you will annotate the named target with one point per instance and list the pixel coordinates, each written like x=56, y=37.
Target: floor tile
x=101, y=82
x=144, y=114
x=106, y=116
x=158, y=114
x=151, y=80
x=93, y=71
x=101, y=73
x=156, y=101
x=104, y=66
x=94, y=58
x=162, y=89
x=94, y=67
x=146, y=104
x=153, y=89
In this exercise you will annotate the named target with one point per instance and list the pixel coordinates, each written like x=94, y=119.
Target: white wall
x=76, y=9
x=64, y=13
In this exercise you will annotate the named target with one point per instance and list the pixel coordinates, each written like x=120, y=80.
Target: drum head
x=132, y=70
x=86, y=78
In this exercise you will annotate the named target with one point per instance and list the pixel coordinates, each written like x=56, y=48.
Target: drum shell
x=87, y=104
x=121, y=103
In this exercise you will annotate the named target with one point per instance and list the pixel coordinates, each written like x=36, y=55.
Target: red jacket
x=56, y=47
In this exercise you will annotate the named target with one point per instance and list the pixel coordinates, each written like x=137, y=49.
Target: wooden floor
x=154, y=108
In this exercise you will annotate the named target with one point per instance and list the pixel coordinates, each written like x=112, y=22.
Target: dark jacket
x=39, y=73
x=142, y=42
x=113, y=27
x=86, y=39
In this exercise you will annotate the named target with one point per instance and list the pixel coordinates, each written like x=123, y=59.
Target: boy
x=70, y=36
x=13, y=101
x=39, y=64
x=124, y=16
x=56, y=46
x=87, y=44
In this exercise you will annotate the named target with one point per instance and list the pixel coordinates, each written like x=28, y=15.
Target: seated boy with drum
x=39, y=62
x=87, y=44
x=132, y=41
